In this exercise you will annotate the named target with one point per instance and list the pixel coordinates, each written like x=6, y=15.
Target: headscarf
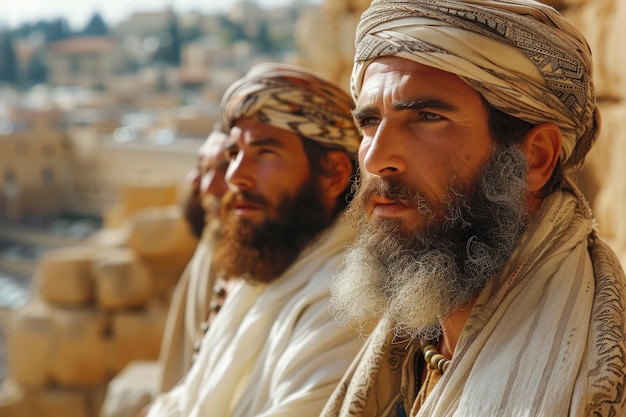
x=291, y=98
x=520, y=55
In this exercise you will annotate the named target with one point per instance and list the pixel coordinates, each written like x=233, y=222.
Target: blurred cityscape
x=98, y=130
x=87, y=115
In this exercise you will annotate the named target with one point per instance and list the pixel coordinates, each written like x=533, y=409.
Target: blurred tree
x=56, y=30
x=192, y=33
x=169, y=49
x=230, y=31
x=263, y=41
x=96, y=26
x=37, y=70
x=8, y=59
x=51, y=31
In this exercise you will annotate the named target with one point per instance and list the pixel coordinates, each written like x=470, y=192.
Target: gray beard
x=420, y=277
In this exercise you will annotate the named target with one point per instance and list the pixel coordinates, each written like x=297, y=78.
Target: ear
x=338, y=167
x=542, y=147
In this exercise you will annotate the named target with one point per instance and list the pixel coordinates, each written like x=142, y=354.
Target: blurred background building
x=85, y=112
x=98, y=128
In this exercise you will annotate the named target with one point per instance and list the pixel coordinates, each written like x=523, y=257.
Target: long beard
x=418, y=277
x=262, y=252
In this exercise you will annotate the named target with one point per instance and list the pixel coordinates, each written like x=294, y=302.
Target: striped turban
x=520, y=55
x=291, y=98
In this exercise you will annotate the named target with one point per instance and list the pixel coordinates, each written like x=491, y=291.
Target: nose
x=240, y=173
x=381, y=155
x=214, y=183
x=193, y=178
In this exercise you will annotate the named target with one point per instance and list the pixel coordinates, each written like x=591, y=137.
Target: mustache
x=391, y=189
x=234, y=197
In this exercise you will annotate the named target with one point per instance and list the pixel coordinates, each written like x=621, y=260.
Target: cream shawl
x=272, y=350
x=189, y=307
x=546, y=338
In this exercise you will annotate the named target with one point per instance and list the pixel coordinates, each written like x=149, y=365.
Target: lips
x=245, y=206
x=244, y=203
x=378, y=199
x=387, y=207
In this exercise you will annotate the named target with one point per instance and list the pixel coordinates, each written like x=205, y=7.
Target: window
x=47, y=175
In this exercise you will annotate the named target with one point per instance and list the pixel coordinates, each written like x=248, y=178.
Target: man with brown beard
x=496, y=295
x=274, y=349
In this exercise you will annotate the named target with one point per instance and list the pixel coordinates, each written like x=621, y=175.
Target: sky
x=78, y=12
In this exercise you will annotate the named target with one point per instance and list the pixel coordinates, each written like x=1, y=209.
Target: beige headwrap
x=521, y=55
x=293, y=99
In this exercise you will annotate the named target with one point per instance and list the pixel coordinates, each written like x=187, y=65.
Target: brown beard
x=194, y=213
x=262, y=253
x=418, y=277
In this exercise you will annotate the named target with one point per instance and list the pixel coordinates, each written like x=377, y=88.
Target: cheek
x=362, y=153
x=472, y=163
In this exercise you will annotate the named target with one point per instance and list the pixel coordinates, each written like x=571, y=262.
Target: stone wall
x=327, y=37
x=95, y=307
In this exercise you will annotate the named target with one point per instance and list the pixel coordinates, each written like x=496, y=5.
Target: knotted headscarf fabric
x=292, y=98
x=520, y=55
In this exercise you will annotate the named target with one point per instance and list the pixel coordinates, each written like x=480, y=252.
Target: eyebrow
x=257, y=143
x=364, y=112
x=400, y=105
x=422, y=103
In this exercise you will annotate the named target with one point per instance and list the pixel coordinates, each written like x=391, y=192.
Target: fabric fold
x=563, y=285
x=269, y=345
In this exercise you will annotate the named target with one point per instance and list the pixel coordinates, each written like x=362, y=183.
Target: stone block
x=13, y=401
x=29, y=342
x=161, y=236
x=136, y=335
x=137, y=197
x=122, y=280
x=79, y=350
x=51, y=402
x=64, y=276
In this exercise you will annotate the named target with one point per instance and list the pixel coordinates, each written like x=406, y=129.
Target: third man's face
x=212, y=168
x=424, y=129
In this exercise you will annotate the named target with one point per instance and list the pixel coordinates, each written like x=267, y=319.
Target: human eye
x=231, y=153
x=266, y=151
x=365, y=122
x=429, y=116
x=365, y=118
x=367, y=125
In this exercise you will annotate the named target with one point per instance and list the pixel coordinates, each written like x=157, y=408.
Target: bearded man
x=274, y=349
x=197, y=295
x=496, y=295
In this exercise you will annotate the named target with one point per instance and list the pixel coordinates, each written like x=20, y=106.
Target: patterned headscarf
x=291, y=98
x=520, y=55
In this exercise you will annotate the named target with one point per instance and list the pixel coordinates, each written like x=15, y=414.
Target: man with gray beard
x=445, y=264
x=495, y=293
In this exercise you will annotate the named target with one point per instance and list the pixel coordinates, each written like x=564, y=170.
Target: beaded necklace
x=433, y=358
x=217, y=300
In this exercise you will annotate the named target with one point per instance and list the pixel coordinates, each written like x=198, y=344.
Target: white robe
x=189, y=308
x=273, y=350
